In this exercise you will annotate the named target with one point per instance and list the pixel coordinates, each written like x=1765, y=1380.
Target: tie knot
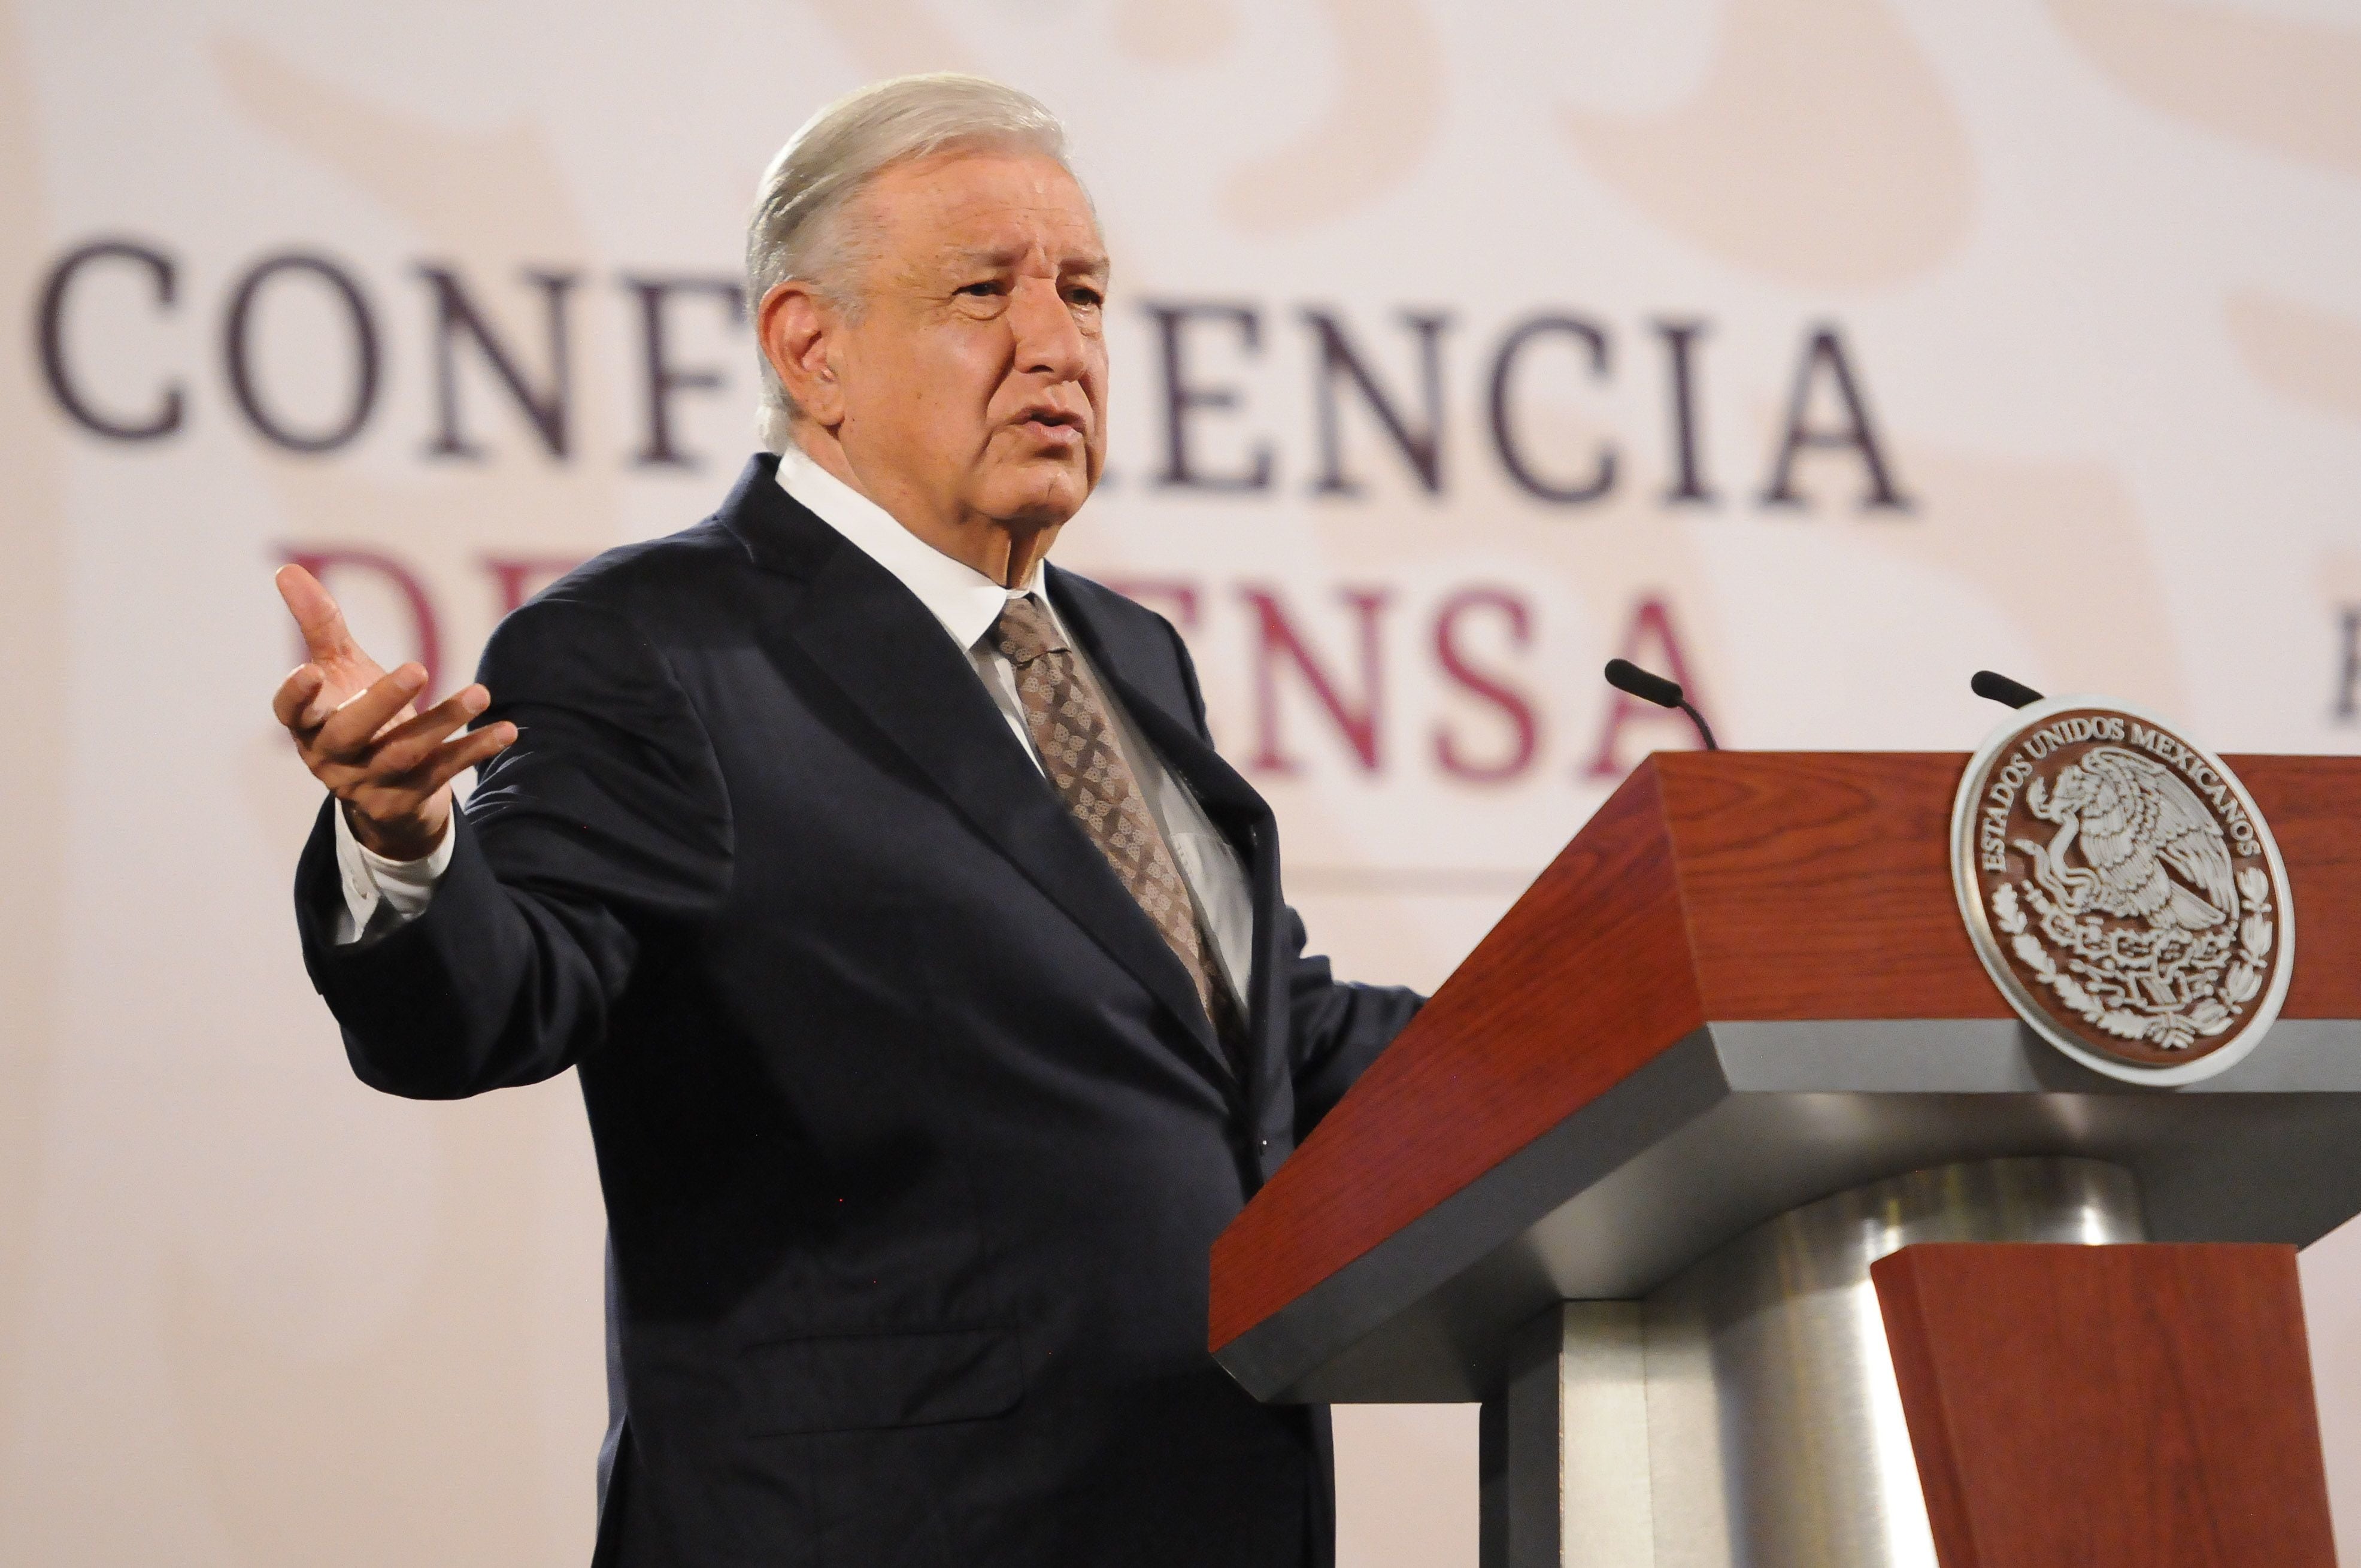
x=1025, y=631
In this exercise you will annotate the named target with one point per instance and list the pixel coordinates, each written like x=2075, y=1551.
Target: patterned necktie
x=1072, y=730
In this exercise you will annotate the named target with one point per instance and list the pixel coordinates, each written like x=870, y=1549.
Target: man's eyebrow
x=994, y=258
x=999, y=258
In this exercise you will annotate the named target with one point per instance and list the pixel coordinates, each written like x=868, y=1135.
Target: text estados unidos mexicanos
x=2000, y=797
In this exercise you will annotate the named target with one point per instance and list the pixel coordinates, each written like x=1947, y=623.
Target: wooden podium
x=1724, y=1108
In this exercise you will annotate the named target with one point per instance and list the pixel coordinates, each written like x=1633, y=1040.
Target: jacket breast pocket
x=863, y=1382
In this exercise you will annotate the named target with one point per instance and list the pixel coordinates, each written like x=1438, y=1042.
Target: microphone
x=2001, y=689
x=1626, y=676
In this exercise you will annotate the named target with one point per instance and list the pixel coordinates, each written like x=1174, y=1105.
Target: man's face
x=974, y=379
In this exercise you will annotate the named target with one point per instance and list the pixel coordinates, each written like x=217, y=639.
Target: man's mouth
x=1060, y=426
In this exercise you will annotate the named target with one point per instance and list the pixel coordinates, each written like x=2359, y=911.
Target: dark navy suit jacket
x=913, y=1135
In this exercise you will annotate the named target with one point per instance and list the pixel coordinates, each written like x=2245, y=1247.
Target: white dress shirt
x=967, y=603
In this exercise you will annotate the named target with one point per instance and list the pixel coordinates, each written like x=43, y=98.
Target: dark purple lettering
x=456, y=315
x=661, y=377
x=237, y=354
x=1420, y=445
x=170, y=405
x=1601, y=478
x=1183, y=398
x=1825, y=351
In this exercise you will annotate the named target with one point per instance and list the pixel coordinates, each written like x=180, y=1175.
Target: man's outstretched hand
x=358, y=730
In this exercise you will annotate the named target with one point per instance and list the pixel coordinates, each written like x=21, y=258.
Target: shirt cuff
x=369, y=880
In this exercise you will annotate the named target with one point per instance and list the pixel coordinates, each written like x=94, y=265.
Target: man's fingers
x=295, y=694
x=395, y=809
x=409, y=743
x=467, y=752
x=316, y=615
x=409, y=797
x=353, y=726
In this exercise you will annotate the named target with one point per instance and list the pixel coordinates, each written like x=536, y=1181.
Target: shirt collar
x=963, y=599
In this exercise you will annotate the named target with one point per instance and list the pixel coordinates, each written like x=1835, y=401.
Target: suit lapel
x=872, y=640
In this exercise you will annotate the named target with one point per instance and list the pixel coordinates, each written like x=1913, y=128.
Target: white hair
x=798, y=230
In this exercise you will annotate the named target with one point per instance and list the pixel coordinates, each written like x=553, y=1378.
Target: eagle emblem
x=2123, y=889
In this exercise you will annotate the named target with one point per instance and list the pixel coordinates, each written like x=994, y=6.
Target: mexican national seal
x=2122, y=889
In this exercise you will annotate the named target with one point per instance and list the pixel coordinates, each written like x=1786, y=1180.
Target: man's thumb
x=315, y=613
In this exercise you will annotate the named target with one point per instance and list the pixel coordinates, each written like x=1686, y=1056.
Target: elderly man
x=927, y=973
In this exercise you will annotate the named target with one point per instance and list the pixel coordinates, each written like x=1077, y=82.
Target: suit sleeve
x=603, y=833
x=1336, y=1028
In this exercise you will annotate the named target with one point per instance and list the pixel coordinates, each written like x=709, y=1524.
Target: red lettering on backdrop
x=1486, y=685
x=1650, y=643
x=334, y=561
x=1276, y=637
x=519, y=578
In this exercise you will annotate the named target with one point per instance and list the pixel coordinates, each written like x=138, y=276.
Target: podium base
x=1746, y=1413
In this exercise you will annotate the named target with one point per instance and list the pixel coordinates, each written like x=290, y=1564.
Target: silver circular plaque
x=2122, y=889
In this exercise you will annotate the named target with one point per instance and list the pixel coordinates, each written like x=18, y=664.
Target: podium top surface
x=1745, y=984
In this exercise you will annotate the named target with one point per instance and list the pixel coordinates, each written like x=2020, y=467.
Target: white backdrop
x=1825, y=350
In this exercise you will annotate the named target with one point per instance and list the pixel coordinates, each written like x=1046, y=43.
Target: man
x=928, y=975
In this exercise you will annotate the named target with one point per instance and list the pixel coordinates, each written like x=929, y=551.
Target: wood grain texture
x=1724, y=886
x=1576, y=988
x=2109, y=1406
x=1819, y=884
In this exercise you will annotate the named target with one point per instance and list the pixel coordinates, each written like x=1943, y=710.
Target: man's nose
x=1048, y=339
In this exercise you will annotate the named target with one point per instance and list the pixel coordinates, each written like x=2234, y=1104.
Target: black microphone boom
x=1626, y=676
x=1999, y=688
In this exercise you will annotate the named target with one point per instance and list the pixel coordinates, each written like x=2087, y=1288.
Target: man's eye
x=983, y=291
x=1089, y=298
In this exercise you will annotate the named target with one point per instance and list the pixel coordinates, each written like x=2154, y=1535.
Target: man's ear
x=797, y=329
